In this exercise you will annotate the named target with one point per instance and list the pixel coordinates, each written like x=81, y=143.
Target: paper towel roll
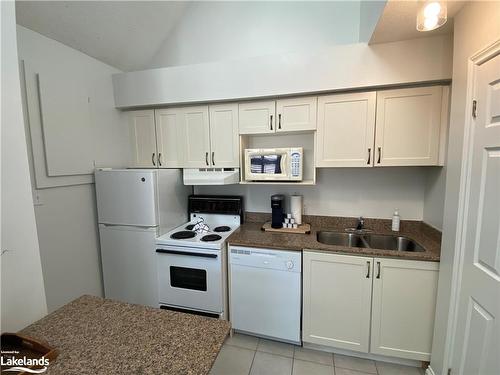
x=296, y=208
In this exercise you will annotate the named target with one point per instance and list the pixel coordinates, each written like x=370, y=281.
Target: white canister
x=296, y=208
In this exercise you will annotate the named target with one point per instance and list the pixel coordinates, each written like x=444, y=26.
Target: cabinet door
x=404, y=302
x=143, y=138
x=408, y=126
x=346, y=130
x=337, y=300
x=224, y=140
x=296, y=114
x=169, y=137
x=257, y=117
x=195, y=137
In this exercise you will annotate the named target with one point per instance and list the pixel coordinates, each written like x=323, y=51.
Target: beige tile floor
x=248, y=355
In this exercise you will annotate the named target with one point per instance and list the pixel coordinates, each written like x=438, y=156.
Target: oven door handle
x=187, y=253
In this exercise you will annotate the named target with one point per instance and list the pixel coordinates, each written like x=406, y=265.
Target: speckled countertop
x=250, y=234
x=100, y=336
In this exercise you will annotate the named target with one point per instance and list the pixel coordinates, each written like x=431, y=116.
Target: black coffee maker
x=277, y=205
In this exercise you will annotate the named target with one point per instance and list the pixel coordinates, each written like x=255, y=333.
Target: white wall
x=66, y=213
x=475, y=26
x=214, y=31
x=369, y=192
x=435, y=188
x=22, y=289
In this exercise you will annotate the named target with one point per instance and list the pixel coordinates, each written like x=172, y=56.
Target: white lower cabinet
x=403, y=307
x=337, y=300
x=380, y=306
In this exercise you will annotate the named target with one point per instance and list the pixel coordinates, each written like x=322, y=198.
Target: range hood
x=211, y=176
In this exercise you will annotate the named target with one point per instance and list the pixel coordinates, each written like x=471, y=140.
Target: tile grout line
x=253, y=359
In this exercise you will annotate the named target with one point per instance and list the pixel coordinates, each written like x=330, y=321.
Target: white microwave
x=274, y=164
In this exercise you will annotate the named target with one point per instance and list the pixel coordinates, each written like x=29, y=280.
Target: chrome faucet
x=361, y=223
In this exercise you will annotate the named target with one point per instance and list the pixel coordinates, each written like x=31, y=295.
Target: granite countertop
x=250, y=234
x=100, y=336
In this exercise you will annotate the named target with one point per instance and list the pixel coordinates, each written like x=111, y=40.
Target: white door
x=403, y=307
x=224, y=139
x=257, y=117
x=129, y=264
x=143, y=138
x=195, y=137
x=477, y=337
x=337, y=300
x=126, y=197
x=346, y=130
x=296, y=114
x=169, y=137
x=408, y=126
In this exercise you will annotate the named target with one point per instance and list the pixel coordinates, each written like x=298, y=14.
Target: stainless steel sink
x=341, y=239
x=375, y=241
x=396, y=243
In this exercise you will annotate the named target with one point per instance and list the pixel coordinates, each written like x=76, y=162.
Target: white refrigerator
x=135, y=206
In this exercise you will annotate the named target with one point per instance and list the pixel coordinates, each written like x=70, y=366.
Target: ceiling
x=124, y=34
x=398, y=21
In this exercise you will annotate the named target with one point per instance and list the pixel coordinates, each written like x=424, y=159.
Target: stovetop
x=207, y=231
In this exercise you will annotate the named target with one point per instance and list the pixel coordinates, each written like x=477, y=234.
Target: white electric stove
x=192, y=258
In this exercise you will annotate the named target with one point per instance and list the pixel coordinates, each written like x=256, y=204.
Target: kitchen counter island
x=99, y=336
x=250, y=234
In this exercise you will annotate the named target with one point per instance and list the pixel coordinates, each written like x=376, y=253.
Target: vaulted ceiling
x=124, y=34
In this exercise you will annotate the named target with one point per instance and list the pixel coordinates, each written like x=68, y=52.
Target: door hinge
x=474, y=108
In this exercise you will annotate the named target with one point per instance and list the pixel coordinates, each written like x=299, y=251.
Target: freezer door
x=129, y=264
x=126, y=197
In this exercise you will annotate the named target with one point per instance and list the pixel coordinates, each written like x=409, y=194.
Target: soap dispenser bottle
x=396, y=220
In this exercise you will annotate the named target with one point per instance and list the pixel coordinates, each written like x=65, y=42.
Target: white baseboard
x=429, y=371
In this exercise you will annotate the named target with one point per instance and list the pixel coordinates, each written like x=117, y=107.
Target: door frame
x=473, y=62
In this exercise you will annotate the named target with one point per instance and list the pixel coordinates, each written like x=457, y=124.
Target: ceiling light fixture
x=432, y=14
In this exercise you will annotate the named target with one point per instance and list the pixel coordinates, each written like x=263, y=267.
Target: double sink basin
x=369, y=240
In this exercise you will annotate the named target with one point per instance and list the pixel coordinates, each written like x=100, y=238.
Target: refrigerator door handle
x=128, y=226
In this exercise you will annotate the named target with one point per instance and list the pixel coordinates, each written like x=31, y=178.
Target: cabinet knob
x=213, y=157
x=279, y=121
x=369, y=156
x=378, y=270
x=379, y=154
x=159, y=159
x=271, y=121
x=206, y=158
x=368, y=269
x=153, y=159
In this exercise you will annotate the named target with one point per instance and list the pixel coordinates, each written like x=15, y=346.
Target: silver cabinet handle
x=368, y=270
x=271, y=121
x=369, y=156
x=206, y=158
x=379, y=154
x=279, y=121
x=153, y=159
x=378, y=270
x=213, y=157
x=159, y=159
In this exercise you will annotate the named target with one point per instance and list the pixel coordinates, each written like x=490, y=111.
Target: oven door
x=271, y=166
x=190, y=278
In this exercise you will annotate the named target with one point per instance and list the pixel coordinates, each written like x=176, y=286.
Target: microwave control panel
x=296, y=164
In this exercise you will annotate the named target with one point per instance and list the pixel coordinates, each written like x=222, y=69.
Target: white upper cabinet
x=168, y=137
x=224, y=141
x=337, y=300
x=346, y=126
x=404, y=303
x=143, y=138
x=296, y=114
x=257, y=117
x=408, y=126
x=195, y=137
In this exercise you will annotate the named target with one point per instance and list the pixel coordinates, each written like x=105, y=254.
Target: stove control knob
x=289, y=264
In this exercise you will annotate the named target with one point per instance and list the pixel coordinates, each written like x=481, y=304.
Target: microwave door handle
x=284, y=165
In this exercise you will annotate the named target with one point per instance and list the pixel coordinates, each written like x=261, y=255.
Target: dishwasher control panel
x=266, y=258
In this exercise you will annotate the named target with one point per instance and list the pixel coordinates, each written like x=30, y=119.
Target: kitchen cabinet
x=408, y=126
x=195, y=136
x=346, y=128
x=168, y=135
x=224, y=140
x=257, y=117
x=347, y=297
x=403, y=307
x=280, y=116
x=143, y=138
x=337, y=300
